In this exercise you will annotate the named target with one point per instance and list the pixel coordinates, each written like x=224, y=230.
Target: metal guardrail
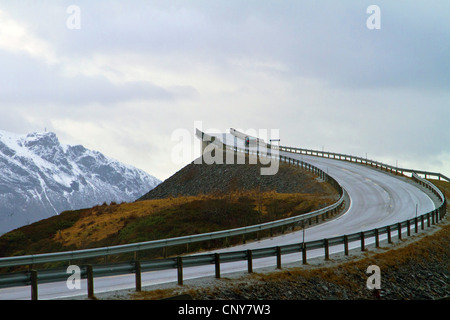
x=346, y=157
x=155, y=244
x=32, y=277
x=355, y=159
x=427, y=184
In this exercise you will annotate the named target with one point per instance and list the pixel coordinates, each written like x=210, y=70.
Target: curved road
x=377, y=199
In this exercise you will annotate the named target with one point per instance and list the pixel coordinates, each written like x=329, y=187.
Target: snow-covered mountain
x=39, y=177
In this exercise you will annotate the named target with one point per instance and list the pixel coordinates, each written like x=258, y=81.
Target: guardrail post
x=90, y=281
x=433, y=218
x=422, y=223
x=327, y=253
x=137, y=272
x=428, y=219
x=180, y=270
x=304, y=253
x=389, y=234
x=278, y=258
x=399, y=230
x=217, y=263
x=363, y=244
x=416, y=225
x=34, y=284
x=346, y=245
x=377, y=239
x=408, y=226
x=249, y=261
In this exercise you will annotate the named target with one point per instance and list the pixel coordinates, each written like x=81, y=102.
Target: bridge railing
x=355, y=159
x=347, y=157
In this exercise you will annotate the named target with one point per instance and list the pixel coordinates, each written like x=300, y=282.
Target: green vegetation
x=38, y=236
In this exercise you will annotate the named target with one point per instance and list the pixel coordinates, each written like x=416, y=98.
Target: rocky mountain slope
x=40, y=177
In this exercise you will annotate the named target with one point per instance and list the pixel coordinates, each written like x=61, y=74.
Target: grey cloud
x=381, y=91
x=318, y=39
x=33, y=82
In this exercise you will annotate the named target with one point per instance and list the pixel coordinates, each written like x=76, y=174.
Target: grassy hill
x=444, y=186
x=246, y=203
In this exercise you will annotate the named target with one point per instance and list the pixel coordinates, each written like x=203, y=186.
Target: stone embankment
x=195, y=179
x=417, y=268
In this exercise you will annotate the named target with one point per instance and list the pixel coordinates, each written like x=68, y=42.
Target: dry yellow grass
x=100, y=222
x=444, y=186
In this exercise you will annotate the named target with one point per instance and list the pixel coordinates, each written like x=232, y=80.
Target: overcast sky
x=136, y=71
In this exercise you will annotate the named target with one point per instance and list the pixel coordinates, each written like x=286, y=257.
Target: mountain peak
x=47, y=136
x=39, y=177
